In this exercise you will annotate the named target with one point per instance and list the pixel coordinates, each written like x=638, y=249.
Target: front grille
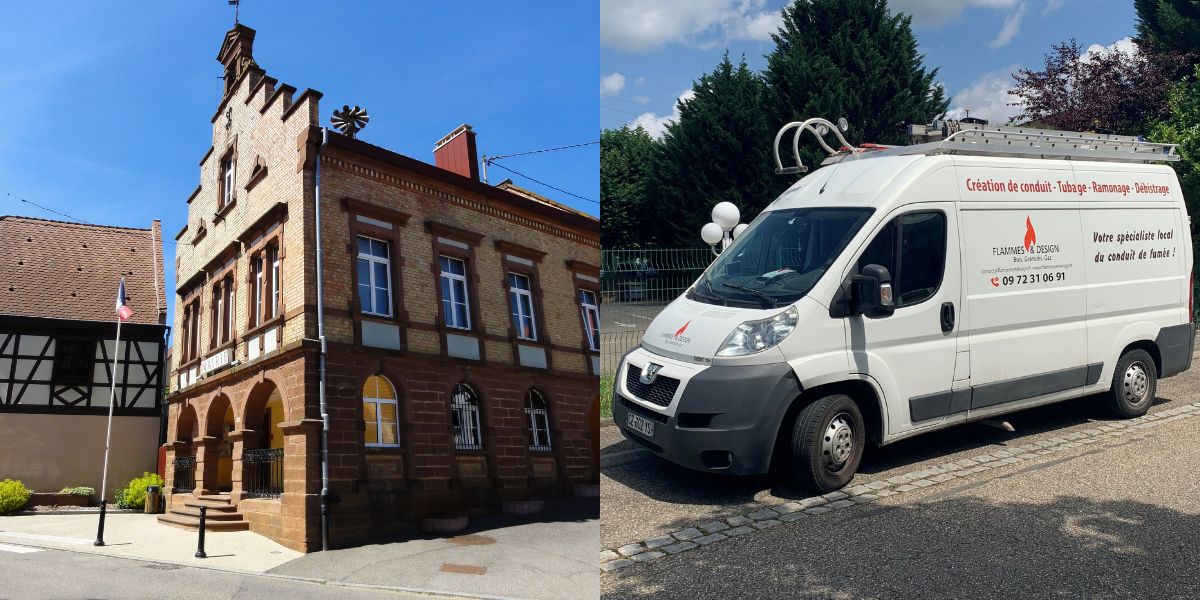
x=660, y=393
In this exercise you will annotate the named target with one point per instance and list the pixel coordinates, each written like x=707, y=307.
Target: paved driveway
x=1072, y=504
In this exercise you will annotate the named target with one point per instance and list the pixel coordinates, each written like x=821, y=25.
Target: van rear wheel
x=827, y=443
x=1134, y=383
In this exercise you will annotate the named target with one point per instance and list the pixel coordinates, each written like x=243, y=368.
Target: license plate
x=640, y=424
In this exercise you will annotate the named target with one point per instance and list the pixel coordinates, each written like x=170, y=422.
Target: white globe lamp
x=739, y=229
x=711, y=233
x=726, y=215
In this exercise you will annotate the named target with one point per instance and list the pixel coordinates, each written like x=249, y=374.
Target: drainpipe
x=321, y=360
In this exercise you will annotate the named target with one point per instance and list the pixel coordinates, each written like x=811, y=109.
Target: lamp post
x=724, y=227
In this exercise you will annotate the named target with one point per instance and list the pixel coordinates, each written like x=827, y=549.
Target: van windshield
x=779, y=257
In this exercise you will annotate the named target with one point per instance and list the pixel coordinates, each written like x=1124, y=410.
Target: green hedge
x=133, y=495
x=79, y=491
x=13, y=495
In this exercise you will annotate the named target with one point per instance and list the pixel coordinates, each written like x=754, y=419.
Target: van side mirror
x=871, y=292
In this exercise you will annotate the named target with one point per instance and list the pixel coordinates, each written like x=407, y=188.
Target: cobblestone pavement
x=704, y=518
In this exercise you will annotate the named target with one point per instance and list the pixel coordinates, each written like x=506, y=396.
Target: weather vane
x=237, y=5
x=350, y=120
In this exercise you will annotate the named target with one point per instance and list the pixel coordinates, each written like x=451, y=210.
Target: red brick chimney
x=456, y=152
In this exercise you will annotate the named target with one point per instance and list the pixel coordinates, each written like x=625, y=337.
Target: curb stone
x=767, y=517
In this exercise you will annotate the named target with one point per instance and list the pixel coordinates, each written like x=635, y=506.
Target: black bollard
x=100, y=530
x=200, y=545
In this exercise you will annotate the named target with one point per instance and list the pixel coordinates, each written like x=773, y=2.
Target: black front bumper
x=726, y=420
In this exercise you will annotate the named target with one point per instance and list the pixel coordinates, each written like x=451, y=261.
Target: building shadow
x=960, y=548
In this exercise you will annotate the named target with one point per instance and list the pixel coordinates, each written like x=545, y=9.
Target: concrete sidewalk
x=141, y=536
x=549, y=556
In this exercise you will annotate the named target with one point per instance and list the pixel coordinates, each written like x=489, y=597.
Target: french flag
x=123, y=310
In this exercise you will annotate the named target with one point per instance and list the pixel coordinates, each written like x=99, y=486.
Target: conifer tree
x=854, y=59
x=718, y=150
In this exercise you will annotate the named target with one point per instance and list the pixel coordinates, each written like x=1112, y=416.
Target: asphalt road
x=32, y=574
x=1112, y=519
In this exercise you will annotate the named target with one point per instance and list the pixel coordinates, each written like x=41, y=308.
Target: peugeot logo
x=650, y=373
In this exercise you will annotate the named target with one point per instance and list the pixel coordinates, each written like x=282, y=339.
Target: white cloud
x=987, y=98
x=642, y=99
x=1011, y=27
x=933, y=13
x=612, y=84
x=1124, y=45
x=647, y=25
x=656, y=125
x=1052, y=5
x=641, y=80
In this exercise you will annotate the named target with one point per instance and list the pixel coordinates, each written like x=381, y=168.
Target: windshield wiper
x=711, y=294
x=771, y=303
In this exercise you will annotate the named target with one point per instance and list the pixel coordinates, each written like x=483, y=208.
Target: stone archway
x=181, y=451
x=219, y=426
x=260, y=442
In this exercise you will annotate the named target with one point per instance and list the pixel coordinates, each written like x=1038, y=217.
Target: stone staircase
x=222, y=515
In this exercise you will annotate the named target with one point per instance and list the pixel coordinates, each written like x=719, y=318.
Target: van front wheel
x=828, y=438
x=1134, y=384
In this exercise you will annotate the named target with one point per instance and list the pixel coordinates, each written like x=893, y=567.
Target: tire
x=827, y=443
x=1134, y=384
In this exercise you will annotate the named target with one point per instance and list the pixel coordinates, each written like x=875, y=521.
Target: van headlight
x=756, y=336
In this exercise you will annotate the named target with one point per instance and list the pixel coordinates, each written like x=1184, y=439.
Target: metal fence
x=264, y=473
x=634, y=286
x=185, y=474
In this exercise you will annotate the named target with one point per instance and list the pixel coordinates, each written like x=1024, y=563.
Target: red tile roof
x=70, y=270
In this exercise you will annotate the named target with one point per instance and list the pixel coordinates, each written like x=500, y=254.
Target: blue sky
x=107, y=105
x=652, y=50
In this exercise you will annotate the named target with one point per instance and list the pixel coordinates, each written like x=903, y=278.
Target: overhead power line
x=539, y=182
x=546, y=150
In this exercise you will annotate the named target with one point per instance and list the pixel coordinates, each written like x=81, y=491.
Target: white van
x=903, y=290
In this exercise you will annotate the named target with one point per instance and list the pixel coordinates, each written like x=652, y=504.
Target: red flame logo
x=682, y=329
x=1030, y=235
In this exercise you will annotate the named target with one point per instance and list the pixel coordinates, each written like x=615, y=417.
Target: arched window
x=538, y=415
x=464, y=406
x=380, y=412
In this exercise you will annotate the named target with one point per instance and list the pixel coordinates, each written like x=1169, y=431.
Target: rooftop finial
x=237, y=5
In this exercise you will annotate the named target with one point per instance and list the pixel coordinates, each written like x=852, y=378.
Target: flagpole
x=112, y=395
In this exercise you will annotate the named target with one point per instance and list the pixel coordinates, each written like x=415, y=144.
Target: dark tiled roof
x=70, y=270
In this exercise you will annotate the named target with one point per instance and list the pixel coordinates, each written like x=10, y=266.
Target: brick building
x=459, y=320
x=58, y=284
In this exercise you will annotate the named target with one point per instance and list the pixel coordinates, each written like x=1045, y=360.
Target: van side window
x=919, y=241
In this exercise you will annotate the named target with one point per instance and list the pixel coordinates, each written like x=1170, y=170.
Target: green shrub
x=79, y=491
x=13, y=495
x=133, y=495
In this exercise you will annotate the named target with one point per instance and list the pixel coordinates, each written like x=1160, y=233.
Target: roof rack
x=956, y=137
x=993, y=140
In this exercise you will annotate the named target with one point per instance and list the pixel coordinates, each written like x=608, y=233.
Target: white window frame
x=587, y=310
x=379, y=402
x=536, y=432
x=258, y=265
x=454, y=299
x=228, y=167
x=518, y=308
x=273, y=254
x=227, y=293
x=373, y=260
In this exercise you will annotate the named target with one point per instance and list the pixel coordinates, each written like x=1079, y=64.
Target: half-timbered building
x=58, y=285
x=456, y=321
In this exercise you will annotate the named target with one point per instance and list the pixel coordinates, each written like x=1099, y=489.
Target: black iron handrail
x=263, y=471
